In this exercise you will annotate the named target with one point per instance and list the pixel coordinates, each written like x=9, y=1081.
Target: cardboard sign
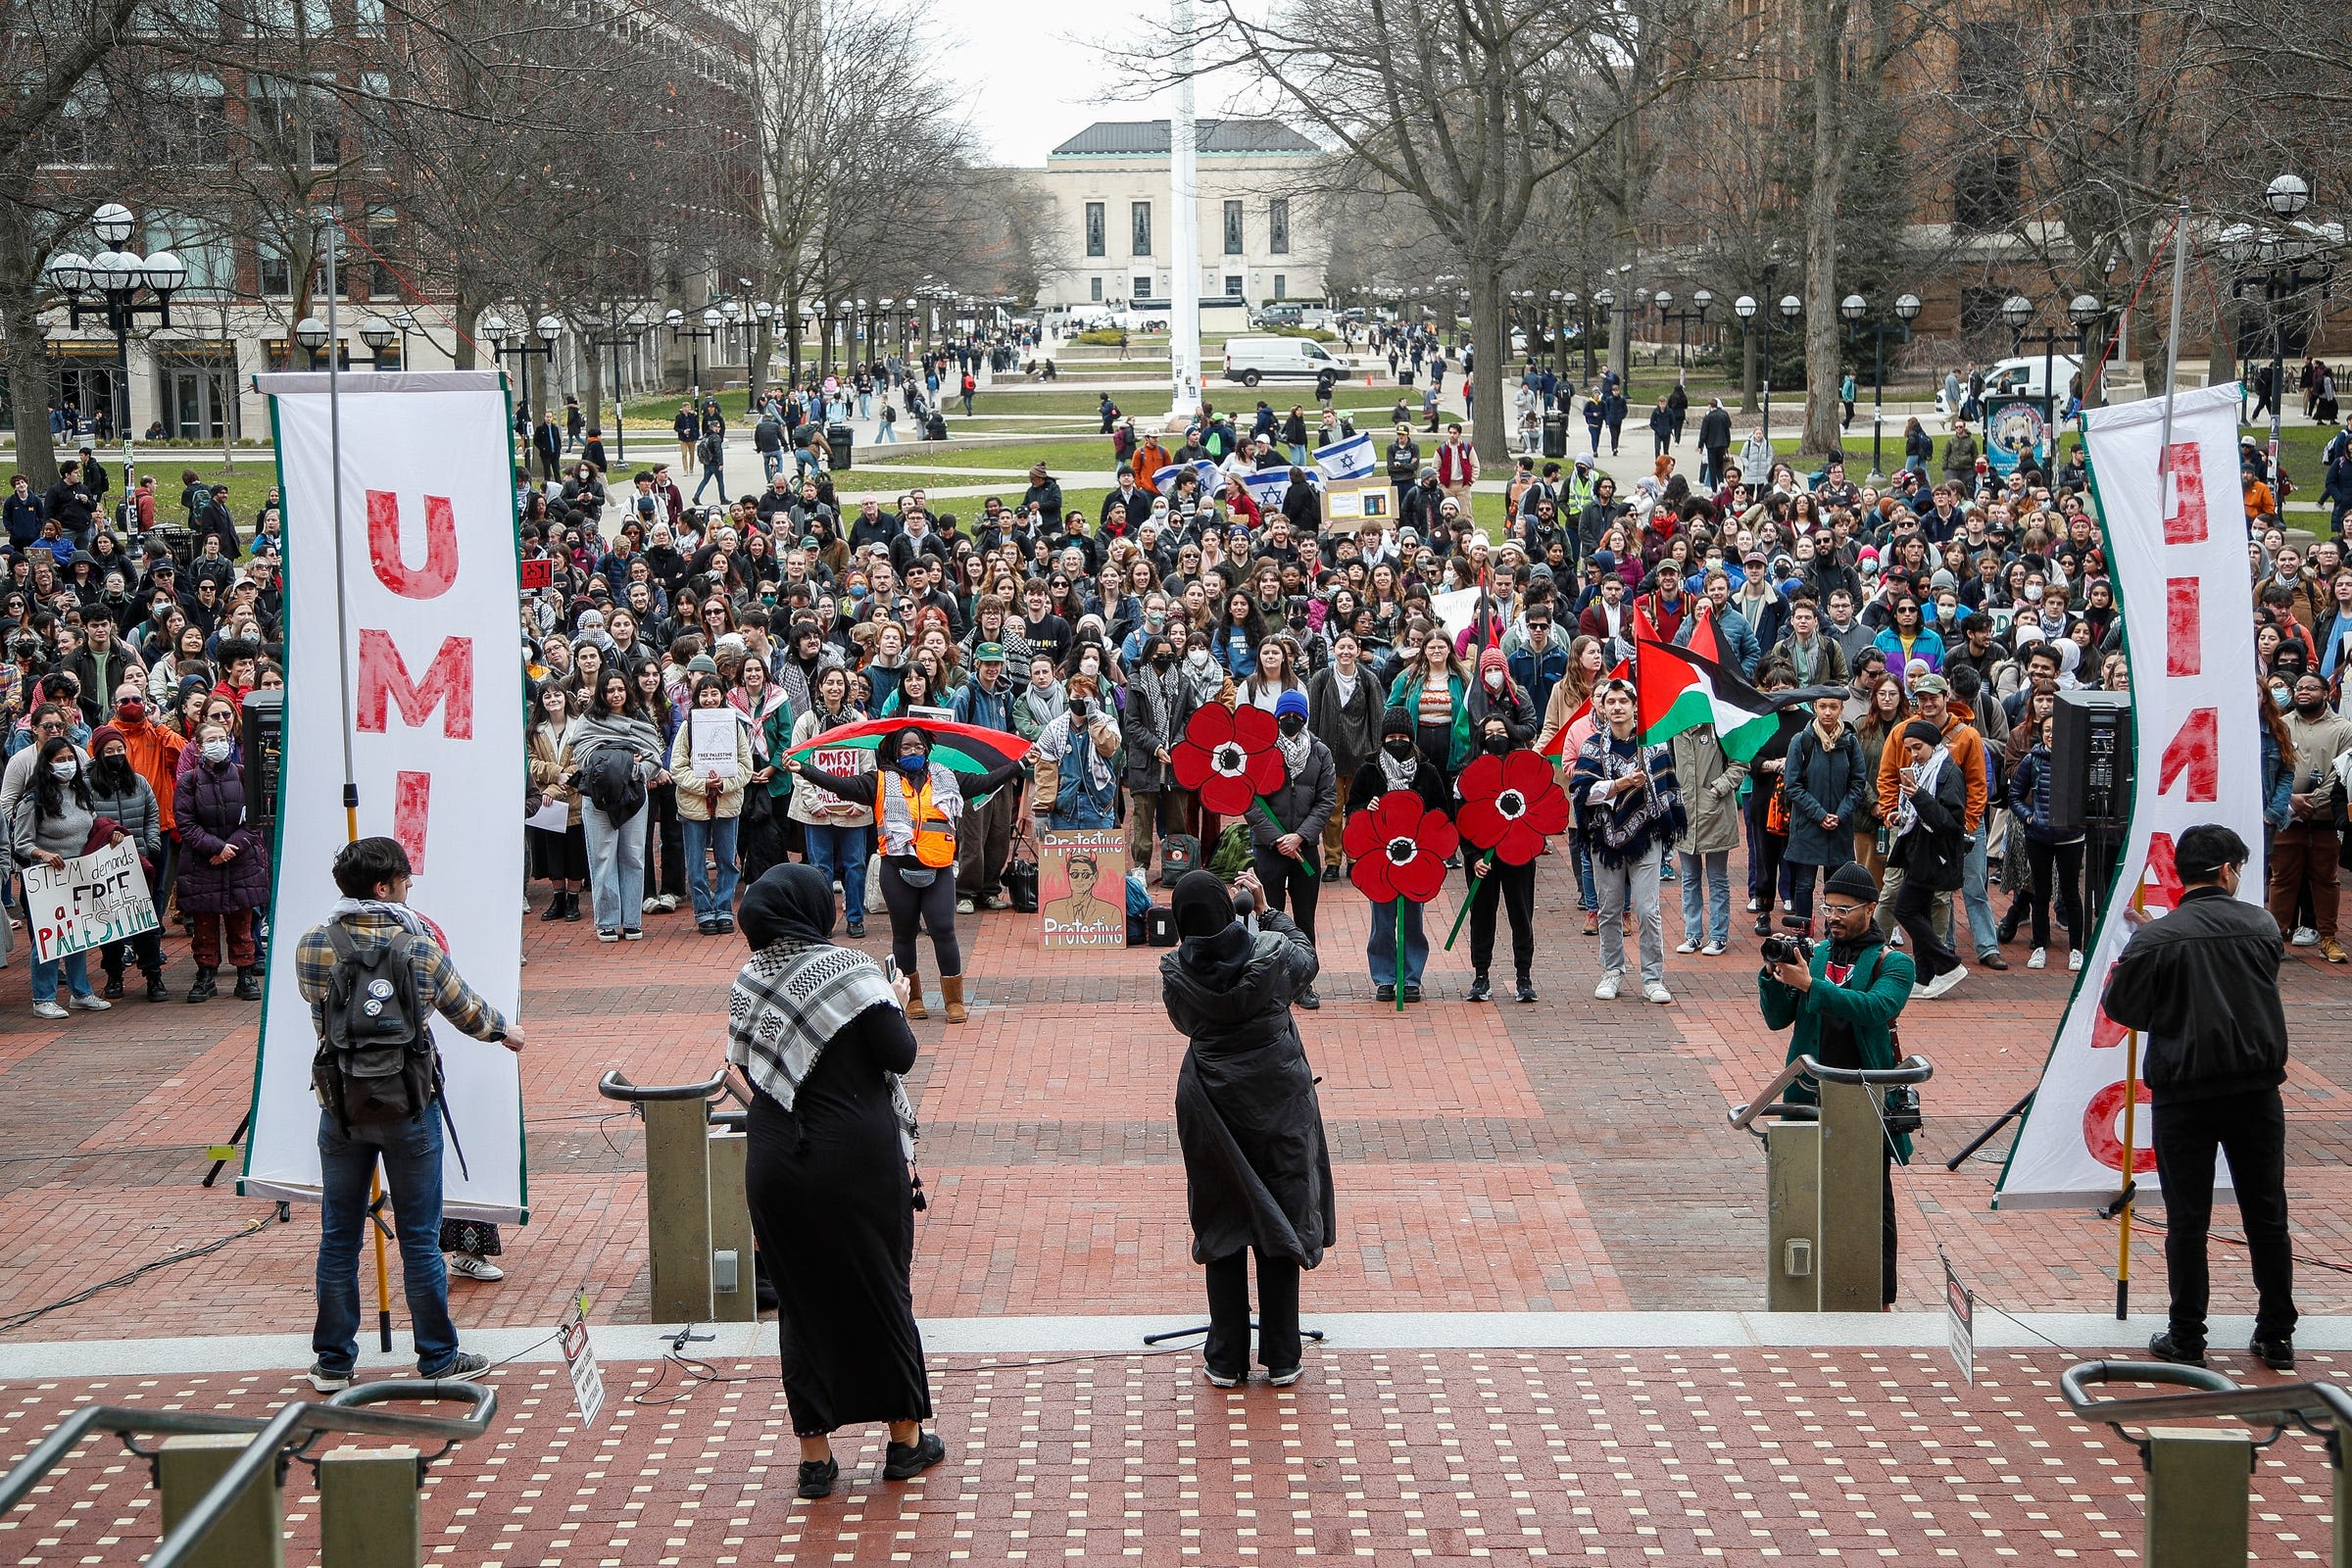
x=1081, y=888
x=87, y=902
x=538, y=574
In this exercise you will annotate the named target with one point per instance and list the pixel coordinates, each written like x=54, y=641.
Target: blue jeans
x=1714, y=870
x=717, y=835
x=888, y=434
x=76, y=967
x=616, y=869
x=865, y=405
x=840, y=853
x=1983, y=929
x=1297, y=454
x=1587, y=895
x=712, y=474
x=1381, y=951
x=412, y=1154
x=771, y=463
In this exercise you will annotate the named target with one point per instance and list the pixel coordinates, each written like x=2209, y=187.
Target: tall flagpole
x=1184, y=230
x=2164, y=501
x=351, y=787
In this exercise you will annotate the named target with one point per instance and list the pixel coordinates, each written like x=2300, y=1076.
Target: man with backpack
x=373, y=977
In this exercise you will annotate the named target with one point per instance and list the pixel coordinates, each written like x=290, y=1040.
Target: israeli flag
x=1350, y=458
x=1165, y=481
x=1268, y=488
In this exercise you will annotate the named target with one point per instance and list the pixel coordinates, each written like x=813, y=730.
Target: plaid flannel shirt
x=437, y=979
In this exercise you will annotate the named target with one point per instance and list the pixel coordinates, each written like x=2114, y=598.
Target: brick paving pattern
x=1735, y=1457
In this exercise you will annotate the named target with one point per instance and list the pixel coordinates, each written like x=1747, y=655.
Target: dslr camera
x=1792, y=946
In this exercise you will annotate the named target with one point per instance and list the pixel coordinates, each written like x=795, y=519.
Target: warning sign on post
x=587, y=1383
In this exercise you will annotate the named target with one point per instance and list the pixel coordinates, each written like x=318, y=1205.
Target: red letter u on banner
x=440, y=568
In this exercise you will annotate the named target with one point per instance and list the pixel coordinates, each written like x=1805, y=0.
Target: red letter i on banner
x=411, y=809
x=2184, y=627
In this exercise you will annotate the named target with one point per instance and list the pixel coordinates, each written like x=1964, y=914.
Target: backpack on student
x=376, y=1060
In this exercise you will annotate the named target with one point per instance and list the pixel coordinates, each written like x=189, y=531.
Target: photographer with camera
x=1842, y=996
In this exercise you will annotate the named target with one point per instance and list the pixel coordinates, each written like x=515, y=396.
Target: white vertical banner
x=435, y=657
x=2176, y=543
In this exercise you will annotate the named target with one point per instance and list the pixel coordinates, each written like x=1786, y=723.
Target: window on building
x=1281, y=287
x=210, y=257
x=1095, y=290
x=1987, y=54
x=294, y=124
x=1143, y=286
x=1096, y=244
x=272, y=269
x=1278, y=225
x=368, y=16
x=383, y=242
x=1232, y=285
x=1139, y=239
x=374, y=134
x=1985, y=192
x=83, y=133
x=191, y=111
x=1233, y=228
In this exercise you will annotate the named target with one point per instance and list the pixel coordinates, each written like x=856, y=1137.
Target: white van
x=1251, y=360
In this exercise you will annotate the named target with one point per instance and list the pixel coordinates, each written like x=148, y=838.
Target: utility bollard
x=368, y=1509
x=2197, y=1497
x=1793, y=1216
x=697, y=1225
x=1853, y=1150
x=252, y=1533
x=733, y=1296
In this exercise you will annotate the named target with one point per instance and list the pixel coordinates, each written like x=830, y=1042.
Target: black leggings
x=1514, y=888
x=910, y=906
x=1291, y=885
x=2057, y=871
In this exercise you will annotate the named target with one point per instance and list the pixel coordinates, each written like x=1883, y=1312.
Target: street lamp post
x=1855, y=308
x=547, y=330
x=377, y=335
x=2018, y=311
x=1747, y=309
x=2283, y=264
x=310, y=332
x=765, y=314
x=1696, y=310
x=403, y=323
x=1604, y=305
x=118, y=277
x=630, y=328
x=675, y=320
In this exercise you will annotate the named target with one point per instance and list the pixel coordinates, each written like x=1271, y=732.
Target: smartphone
x=890, y=968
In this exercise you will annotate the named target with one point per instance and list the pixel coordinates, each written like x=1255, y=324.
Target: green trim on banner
x=277, y=815
x=522, y=1141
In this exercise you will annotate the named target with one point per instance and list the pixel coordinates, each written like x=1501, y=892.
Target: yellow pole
x=375, y=1194
x=2123, y=1240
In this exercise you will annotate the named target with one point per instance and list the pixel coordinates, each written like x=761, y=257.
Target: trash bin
x=1405, y=377
x=1555, y=434
x=838, y=438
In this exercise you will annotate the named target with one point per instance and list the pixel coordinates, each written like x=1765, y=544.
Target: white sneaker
x=1921, y=991
x=2074, y=961
x=93, y=1003
x=1752, y=907
x=2039, y=959
x=475, y=1268
x=652, y=906
x=668, y=903
x=1606, y=991
x=964, y=905
x=1943, y=983
x=50, y=1009
x=2304, y=937
x=1713, y=950
x=1685, y=946
x=1654, y=992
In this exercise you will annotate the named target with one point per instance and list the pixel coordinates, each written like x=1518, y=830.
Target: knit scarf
x=1625, y=827
x=1202, y=677
x=1158, y=688
x=790, y=1000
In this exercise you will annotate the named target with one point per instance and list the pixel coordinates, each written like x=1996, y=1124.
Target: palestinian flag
x=1682, y=688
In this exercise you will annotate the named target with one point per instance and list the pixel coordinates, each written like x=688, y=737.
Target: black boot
x=249, y=985
x=203, y=990
x=1480, y=991
x=555, y=907
x=114, y=985
x=572, y=905
x=155, y=986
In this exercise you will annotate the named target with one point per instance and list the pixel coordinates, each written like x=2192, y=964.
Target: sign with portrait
x=1081, y=888
x=2016, y=430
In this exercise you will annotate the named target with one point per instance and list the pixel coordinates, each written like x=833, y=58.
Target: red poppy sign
x=1230, y=756
x=1399, y=847
x=1511, y=805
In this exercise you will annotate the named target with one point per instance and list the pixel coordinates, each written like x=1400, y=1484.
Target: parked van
x=1251, y=360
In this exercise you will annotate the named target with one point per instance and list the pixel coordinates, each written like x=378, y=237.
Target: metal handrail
x=1914, y=1069
x=613, y=1086
x=306, y=1420
x=345, y=1412
x=2215, y=1395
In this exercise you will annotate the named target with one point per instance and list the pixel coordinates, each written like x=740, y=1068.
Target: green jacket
x=1873, y=995
x=1406, y=692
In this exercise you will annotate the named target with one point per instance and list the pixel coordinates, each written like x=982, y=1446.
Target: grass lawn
x=1062, y=456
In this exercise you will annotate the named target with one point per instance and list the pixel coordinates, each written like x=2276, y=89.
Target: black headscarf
x=790, y=902
x=1201, y=906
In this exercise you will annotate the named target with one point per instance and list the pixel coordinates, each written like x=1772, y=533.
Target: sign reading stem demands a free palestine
x=2176, y=539
x=1081, y=888
x=87, y=902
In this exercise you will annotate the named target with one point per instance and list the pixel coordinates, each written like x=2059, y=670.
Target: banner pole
x=351, y=788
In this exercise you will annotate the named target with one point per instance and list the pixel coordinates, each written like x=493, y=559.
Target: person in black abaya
x=821, y=1036
x=1257, y=1173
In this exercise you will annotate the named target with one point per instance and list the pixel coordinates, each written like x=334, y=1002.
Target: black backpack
x=376, y=1060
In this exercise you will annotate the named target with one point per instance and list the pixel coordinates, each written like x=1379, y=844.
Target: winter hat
x=1395, y=721
x=1201, y=906
x=1493, y=660
x=1290, y=702
x=100, y=736
x=1854, y=881
x=702, y=664
x=1919, y=729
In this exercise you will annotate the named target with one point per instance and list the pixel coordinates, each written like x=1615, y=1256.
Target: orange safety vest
x=934, y=834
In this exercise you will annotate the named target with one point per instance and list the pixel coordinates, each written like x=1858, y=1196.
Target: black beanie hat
x=1395, y=721
x=1853, y=879
x=1202, y=905
x=1920, y=729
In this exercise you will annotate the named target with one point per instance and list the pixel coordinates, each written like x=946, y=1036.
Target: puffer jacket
x=208, y=804
x=136, y=813
x=1710, y=790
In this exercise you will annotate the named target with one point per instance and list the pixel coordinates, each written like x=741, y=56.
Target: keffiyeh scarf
x=1626, y=826
x=790, y=1000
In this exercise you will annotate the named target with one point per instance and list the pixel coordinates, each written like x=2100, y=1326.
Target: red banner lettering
x=2195, y=748
x=2184, y=627
x=440, y=568
x=412, y=811
x=2185, y=523
x=2099, y=1120
x=448, y=684
x=2160, y=884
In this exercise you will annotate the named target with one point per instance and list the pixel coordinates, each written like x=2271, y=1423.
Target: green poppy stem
x=1259, y=804
x=1476, y=883
x=1400, y=953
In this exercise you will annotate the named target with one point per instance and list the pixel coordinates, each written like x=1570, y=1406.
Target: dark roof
x=1145, y=137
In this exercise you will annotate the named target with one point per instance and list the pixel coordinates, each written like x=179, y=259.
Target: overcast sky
x=1034, y=72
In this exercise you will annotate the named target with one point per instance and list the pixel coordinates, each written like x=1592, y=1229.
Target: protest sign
x=711, y=747
x=87, y=902
x=1081, y=888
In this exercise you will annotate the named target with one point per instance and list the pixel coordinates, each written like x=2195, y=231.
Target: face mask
x=1399, y=747
x=1089, y=666
x=131, y=711
x=1498, y=745
x=1293, y=724
x=216, y=751
x=62, y=769
x=2282, y=697
x=858, y=590
x=1155, y=620
x=1494, y=680
x=914, y=765
x=1163, y=660
x=1197, y=658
